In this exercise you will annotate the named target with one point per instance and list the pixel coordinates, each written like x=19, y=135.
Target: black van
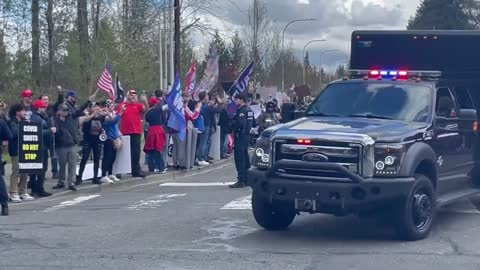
x=400, y=135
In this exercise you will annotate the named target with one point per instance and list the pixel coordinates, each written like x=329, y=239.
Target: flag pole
x=115, y=87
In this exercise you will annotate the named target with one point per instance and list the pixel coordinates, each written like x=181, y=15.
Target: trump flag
x=177, y=119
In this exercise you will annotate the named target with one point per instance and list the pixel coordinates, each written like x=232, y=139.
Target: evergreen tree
x=224, y=59
x=440, y=15
x=306, y=60
x=237, y=53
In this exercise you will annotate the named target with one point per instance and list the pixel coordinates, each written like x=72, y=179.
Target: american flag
x=105, y=82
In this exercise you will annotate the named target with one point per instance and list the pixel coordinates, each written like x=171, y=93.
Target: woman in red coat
x=156, y=137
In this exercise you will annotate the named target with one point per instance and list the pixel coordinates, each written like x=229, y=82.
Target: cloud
x=335, y=20
x=367, y=14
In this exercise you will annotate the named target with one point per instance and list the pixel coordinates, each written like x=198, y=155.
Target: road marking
x=242, y=203
x=153, y=202
x=71, y=203
x=463, y=211
x=210, y=184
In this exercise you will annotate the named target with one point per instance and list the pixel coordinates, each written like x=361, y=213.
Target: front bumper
x=333, y=196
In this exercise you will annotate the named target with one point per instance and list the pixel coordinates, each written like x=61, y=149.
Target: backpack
x=199, y=124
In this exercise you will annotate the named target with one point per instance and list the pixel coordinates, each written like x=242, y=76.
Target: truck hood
x=378, y=129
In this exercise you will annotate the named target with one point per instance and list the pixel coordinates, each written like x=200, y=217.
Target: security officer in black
x=5, y=135
x=242, y=124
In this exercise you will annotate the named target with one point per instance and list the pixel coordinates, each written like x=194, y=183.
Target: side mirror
x=467, y=114
x=299, y=114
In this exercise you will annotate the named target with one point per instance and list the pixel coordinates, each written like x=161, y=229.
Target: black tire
x=272, y=216
x=416, y=213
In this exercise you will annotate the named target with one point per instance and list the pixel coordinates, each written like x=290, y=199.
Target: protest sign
x=30, y=143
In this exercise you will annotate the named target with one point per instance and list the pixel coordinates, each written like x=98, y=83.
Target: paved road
x=196, y=222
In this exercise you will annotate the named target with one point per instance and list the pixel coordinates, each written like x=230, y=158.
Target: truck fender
x=416, y=154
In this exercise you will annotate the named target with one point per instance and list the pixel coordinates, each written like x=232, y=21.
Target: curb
x=159, y=178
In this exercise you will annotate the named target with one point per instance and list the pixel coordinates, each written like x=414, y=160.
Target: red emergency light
x=401, y=74
x=304, y=141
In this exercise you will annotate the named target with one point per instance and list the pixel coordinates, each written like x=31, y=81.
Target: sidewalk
x=87, y=184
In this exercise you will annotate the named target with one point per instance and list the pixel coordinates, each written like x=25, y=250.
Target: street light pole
x=321, y=55
x=283, y=47
x=303, y=54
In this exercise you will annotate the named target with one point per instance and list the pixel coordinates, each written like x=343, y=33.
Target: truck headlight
x=388, y=158
x=261, y=157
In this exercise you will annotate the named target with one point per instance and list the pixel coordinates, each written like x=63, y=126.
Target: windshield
x=411, y=103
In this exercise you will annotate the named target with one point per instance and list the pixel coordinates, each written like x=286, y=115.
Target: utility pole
x=172, y=45
x=177, y=34
x=166, y=39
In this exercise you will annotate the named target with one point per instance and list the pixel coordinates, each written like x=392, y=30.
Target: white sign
x=123, y=163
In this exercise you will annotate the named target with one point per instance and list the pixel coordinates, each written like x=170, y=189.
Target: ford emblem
x=314, y=157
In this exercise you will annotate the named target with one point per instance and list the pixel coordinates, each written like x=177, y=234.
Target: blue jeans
x=202, y=153
x=209, y=144
x=155, y=161
x=223, y=144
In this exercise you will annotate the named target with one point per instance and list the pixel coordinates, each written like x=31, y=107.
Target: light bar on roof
x=377, y=73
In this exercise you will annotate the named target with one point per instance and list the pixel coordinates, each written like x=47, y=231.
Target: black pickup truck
x=394, y=141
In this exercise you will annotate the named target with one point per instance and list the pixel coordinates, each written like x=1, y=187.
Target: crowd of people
x=98, y=127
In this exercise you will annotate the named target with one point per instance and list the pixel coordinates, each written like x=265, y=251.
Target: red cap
x=27, y=93
x=40, y=104
x=153, y=101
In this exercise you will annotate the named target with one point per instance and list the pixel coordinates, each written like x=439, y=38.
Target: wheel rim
x=422, y=209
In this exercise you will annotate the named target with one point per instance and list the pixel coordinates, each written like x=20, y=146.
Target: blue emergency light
x=401, y=74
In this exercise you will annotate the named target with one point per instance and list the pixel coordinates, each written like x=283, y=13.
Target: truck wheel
x=272, y=216
x=415, y=214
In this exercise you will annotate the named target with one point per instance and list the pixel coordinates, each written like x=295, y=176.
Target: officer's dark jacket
x=243, y=121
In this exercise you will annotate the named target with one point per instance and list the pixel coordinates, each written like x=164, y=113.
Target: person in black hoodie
x=65, y=141
x=40, y=115
x=51, y=110
x=91, y=129
x=18, y=189
x=224, y=122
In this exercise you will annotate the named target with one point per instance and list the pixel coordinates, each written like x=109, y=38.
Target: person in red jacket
x=156, y=137
x=131, y=125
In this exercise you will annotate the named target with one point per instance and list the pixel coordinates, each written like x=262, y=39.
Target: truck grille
x=347, y=155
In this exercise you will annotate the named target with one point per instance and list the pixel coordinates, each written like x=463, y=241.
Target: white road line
x=463, y=211
x=153, y=202
x=210, y=184
x=71, y=203
x=242, y=203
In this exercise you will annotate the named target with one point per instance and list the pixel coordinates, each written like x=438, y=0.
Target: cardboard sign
x=30, y=143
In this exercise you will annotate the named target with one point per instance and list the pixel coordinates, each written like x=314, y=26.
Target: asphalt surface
x=196, y=222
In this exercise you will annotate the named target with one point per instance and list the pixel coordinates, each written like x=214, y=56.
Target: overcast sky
x=335, y=21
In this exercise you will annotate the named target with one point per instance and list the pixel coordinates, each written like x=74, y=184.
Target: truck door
x=467, y=129
x=447, y=141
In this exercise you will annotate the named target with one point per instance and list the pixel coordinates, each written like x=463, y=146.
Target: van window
x=464, y=98
x=445, y=106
